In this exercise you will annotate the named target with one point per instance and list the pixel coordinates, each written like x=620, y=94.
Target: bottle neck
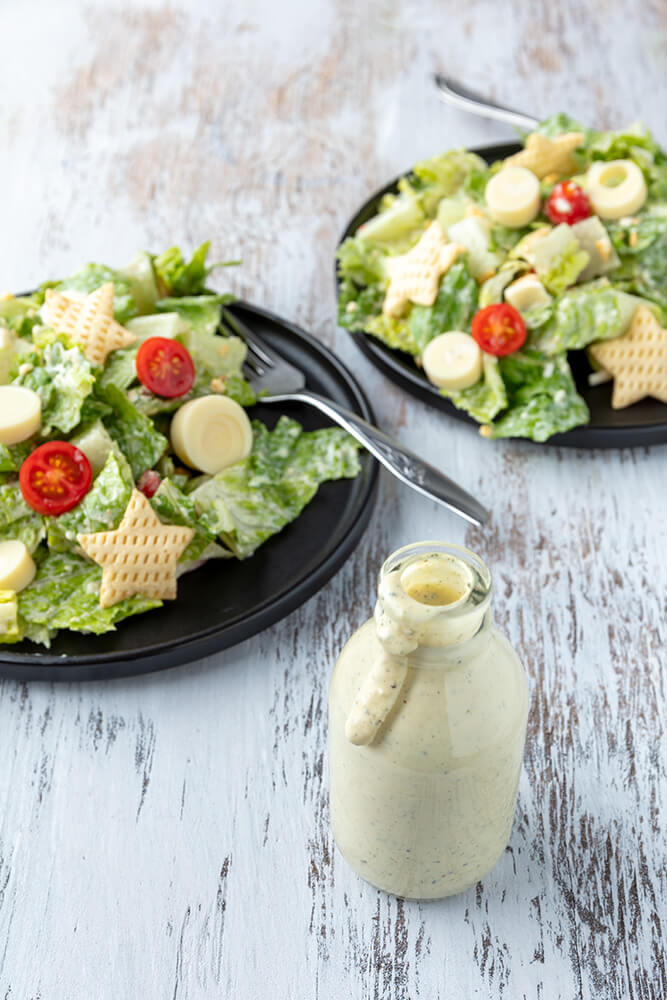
x=431, y=597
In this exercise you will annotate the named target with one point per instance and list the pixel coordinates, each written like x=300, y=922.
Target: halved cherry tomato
x=499, y=329
x=149, y=482
x=55, y=478
x=165, y=367
x=567, y=203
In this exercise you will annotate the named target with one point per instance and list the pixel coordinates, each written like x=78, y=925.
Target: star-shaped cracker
x=140, y=556
x=544, y=156
x=637, y=360
x=415, y=276
x=88, y=321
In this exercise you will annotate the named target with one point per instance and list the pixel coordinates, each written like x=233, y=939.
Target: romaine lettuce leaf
x=361, y=262
x=17, y=519
x=394, y=331
x=484, y=400
x=580, y=317
x=101, y=509
x=62, y=377
x=92, y=276
x=65, y=594
x=642, y=246
x=9, y=626
x=12, y=456
x=543, y=399
x=252, y=500
x=453, y=309
x=177, y=277
x=443, y=175
x=202, y=312
x=173, y=507
x=30, y=530
x=12, y=505
x=134, y=432
x=356, y=306
x=398, y=224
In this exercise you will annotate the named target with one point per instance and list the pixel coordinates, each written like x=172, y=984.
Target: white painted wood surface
x=168, y=836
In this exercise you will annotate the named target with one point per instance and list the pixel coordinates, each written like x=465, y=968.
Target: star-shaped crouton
x=140, y=556
x=88, y=321
x=637, y=360
x=544, y=156
x=415, y=276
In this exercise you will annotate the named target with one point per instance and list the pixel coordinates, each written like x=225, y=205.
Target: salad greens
x=123, y=429
x=594, y=273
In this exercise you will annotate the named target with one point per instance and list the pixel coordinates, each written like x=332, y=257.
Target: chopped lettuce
x=200, y=312
x=177, y=277
x=62, y=377
x=65, y=594
x=641, y=243
x=101, y=509
x=361, y=262
x=453, y=309
x=443, y=175
x=17, y=519
x=133, y=432
x=580, y=317
x=397, y=225
x=9, y=626
x=558, y=259
x=173, y=507
x=254, y=499
x=91, y=277
x=484, y=400
x=393, y=331
x=542, y=397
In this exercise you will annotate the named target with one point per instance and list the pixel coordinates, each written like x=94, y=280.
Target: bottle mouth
x=438, y=591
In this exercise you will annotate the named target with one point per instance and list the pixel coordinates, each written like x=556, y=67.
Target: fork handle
x=400, y=461
x=454, y=94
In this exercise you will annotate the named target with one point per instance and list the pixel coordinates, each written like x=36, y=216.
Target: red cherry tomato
x=165, y=367
x=55, y=478
x=499, y=329
x=567, y=203
x=149, y=482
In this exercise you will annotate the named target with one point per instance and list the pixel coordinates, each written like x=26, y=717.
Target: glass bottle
x=427, y=721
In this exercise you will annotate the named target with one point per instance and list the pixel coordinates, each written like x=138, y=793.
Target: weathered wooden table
x=168, y=836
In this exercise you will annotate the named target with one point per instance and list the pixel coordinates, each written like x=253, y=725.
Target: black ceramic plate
x=226, y=601
x=642, y=424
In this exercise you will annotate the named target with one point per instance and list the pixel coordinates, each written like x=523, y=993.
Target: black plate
x=641, y=424
x=224, y=602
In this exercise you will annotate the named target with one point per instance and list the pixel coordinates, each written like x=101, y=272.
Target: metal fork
x=280, y=382
x=454, y=93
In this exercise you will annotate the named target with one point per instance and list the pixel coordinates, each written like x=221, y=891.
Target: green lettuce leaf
x=178, y=277
x=12, y=505
x=361, y=262
x=30, y=530
x=394, y=331
x=202, y=312
x=453, y=309
x=254, y=499
x=543, y=399
x=12, y=456
x=642, y=247
x=21, y=313
x=580, y=317
x=61, y=376
x=442, y=175
x=65, y=594
x=484, y=400
x=133, y=431
x=173, y=507
x=101, y=509
x=92, y=276
x=9, y=625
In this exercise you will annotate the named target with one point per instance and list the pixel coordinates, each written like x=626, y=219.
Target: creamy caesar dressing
x=427, y=722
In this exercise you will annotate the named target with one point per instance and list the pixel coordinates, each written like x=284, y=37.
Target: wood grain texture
x=168, y=836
